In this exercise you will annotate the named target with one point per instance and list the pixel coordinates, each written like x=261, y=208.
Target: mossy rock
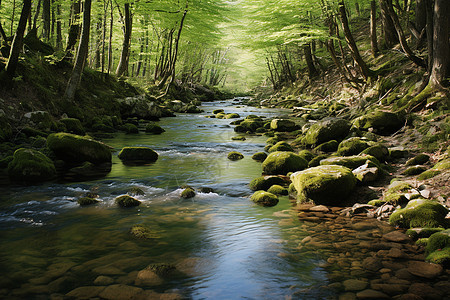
x=283, y=125
x=249, y=125
x=232, y=116
x=438, y=248
x=383, y=122
x=143, y=232
x=329, y=146
x=73, y=125
x=235, y=122
x=188, y=193
x=30, y=166
x=135, y=191
x=272, y=140
x=127, y=201
x=41, y=120
x=220, y=115
x=265, y=182
x=316, y=160
x=218, y=111
x=325, y=185
x=351, y=162
x=33, y=132
x=306, y=154
x=397, y=152
x=259, y=156
x=85, y=201
x=253, y=117
x=234, y=155
x=281, y=146
x=378, y=151
x=282, y=162
x=352, y=146
x=73, y=148
x=376, y=202
x=154, y=128
x=420, y=233
x=162, y=269
x=395, y=193
x=291, y=190
x=138, y=154
x=264, y=198
x=436, y=170
x=428, y=174
x=130, y=128
x=278, y=190
x=430, y=214
x=327, y=130
x=414, y=170
x=418, y=160
x=238, y=138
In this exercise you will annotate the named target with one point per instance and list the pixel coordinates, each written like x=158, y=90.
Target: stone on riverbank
x=127, y=201
x=327, y=185
x=282, y=125
x=379, y=151
x=329, y=146
x=327, y=130
x=264, y=198
x=73, y=126
x=73, y=148
x=138, y=154
x=352, y=146
x=438, y=248
x=351, y=162
x=30, y=165
x=281, y=146
x=259, y=156
x=382, y=122
x=154, y=128
x=428, y=214
x=265, y=182
x=281, y=163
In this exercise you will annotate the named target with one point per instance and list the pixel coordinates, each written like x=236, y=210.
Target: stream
x=224, y=246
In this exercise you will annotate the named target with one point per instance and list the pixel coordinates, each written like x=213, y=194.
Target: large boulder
x=427, y=214
x=143, y=107
x=283, y=162
x=264, y=198
x=138, y=154
x=382, y=122
x=73, y=125
x=327, y=130
x=353, y=146
x=281, y=146
x=30, y=165
x=73, y=148
x=282, y=125
x=250, y=125
x=351, y=162
x=326, y=185
x=265, y=182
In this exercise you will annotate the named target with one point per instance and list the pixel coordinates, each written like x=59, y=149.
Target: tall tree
x=46, y=19
x=390, y=36
x=373, y=28
x=17, y=43
x=441, y=47
x=122, y=68
x=82, y=53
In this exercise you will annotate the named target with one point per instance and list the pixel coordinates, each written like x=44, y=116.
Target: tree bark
x=110, y=53
x=17, y=43
x=2, y=33
x=441, y=46
x=421, y=15
x=36, y=14
x=59, y=44
x=390, y=36
x=365, y=71
x=373, y=28
x=122, y=68
x=74, y=28
x=82, y=52
x=46, y=19
x=429, y=30
x=312, y=71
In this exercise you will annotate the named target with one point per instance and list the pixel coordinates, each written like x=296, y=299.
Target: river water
x=225, y=246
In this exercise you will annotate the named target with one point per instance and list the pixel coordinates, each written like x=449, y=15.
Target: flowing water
x=224, y=246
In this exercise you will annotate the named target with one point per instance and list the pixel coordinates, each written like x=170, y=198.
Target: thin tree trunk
x=441, y=46
x=312, y=71
x=82, y=52
x=122, y=68
x=46, y=19
x=59, y=44
x=36, y=14
x=390, y=36
x=17, y=43
x=430, y=30
x=2, y=32
x=74, y=28
x=365, y=71
x=373, y=28
x=13, y=16
x=111, y=23
x=105, y=8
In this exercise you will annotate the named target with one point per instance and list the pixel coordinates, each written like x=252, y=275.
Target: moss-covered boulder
x=154, y=128
x=327, y=130
x=278, y=190
x=234, y=155
x=218, y=111
x=232, y=116
x=437, y=169
x=283, y=125
x=264, y=198
x=329, y=146
x=85, y=201
x=379, y=151
x=420, y=233
x=41, y=120
x=138, y=154
x=307, y=155
x=249, y=125
x=30, y=166
x=414, y=170
x=272, y=140
x=352, y=146
x=188, y=193
x=428, y=214
x=259, y=156
x=382, y=122
x=73, y=148
x=281, y=163
x=238, y=138
x=130, y=128
x=438, y=248
x=351, y=162
x=135, y=191
x=418, y=160
x=396, y=191
x=325, y=185
x=281, y=146
x=265, y=182
x=127, y=201
x=73, y=125
x=316, y=160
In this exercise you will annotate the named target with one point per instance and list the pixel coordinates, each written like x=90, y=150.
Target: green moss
x=419, y=233
x=234, y=155
x=127, y=201
x=135, y=191
x=306, y=154
x=30, y=165
x=281, y=163
x=232, y=116
x=188, y=193
x=154, y=128
x=162, y=269
x=249, y=125
x=329, y=146
x=414, y=170
x=351, y=162
x=438, y=248
x=259, y=156
x=272, y=140
x=5, y=130
x=442, y=165
x=218, y=111
x=32, y=132
x=278, y=190
x=428, y=174
x=382, y=122
x=73, y=125
x=265, y=182
x=291, y=190
x=75, y=149
x=378, y=151
x=377, y=202
x=324, y=131
x=281, y=146
x=429, y=214
x=143, y=232
x=264, y=198
x=282, y=125
x=441, y=256
x=316, y=160
x=84, y=201
x=352, y=146
x=418, y=160
x=327, y=185
x=238, y=138
x=422, y=242
x=138, y=154
x=130, y=128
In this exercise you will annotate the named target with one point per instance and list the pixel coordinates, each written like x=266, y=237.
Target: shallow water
x=225, y=246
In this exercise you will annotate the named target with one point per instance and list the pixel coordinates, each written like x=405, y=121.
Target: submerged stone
x=259, y=156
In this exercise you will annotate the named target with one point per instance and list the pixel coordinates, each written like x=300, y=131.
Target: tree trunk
x=2, y=32
x=82, y=52
x=13, y=16
x=122, y=68
x=46, y=19
x=36, y=14
x=390, y=36
x=421, y=15
x=441, y=46
x=17, y=43
x=429, y=29
x=59, y=44
x=373, y=28
x=110, y=53
x=74, y=28
x=365, y=71
x=175, y=55
x=312, y=71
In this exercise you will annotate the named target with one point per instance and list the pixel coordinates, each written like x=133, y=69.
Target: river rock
x=282, y=125
x=326, y=130
x=365, y=173
x=347, y=296
x=138, y=154
x=352, y=146
x=372, y=264
x=30, y=165
x=424, y=269
x=351, y=162
x=396, y=236
x=103, y=280
x=281, y=146
x=264, y=198
x=382, y=122
x=354, y=285
x=120, y=292
x=281, y=163
x=86, y=292
x=390, y=289
x=371, y=294
x=320, y=208
x=425, y=291
x=142, y=107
